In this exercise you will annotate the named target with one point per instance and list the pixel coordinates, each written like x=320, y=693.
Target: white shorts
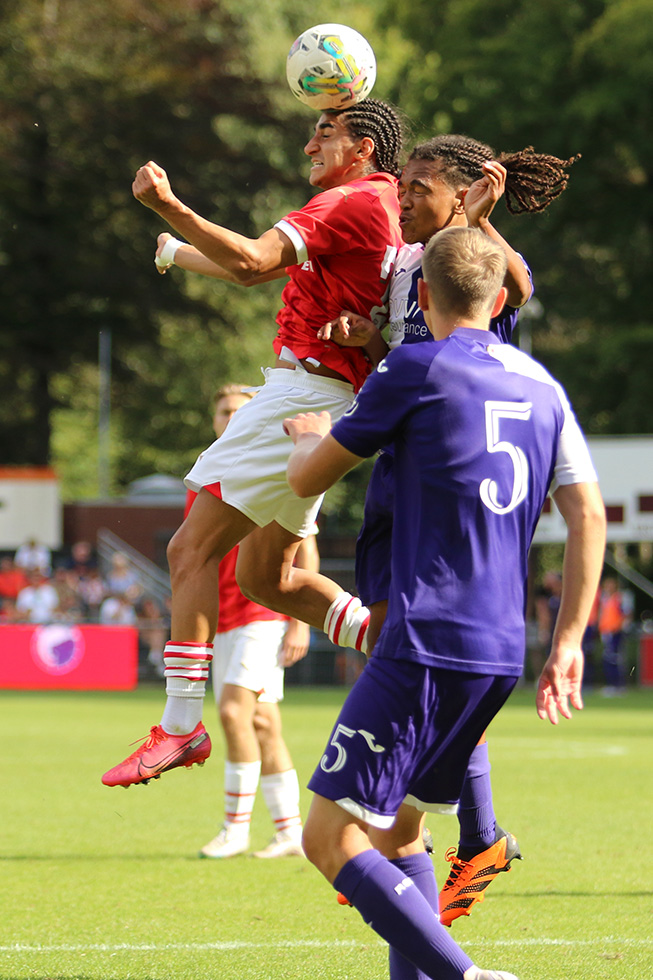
x=249, y=460
x=249, y=656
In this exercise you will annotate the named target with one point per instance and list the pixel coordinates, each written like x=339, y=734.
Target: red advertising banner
x=68, y=657
x=646, y=660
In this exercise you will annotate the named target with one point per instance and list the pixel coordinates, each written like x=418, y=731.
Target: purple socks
x=394, y=906
x=475, y=808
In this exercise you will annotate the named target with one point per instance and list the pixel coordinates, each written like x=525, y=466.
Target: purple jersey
x=477, y=430
x=407, y=324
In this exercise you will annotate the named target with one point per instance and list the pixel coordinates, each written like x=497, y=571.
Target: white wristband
x=168, y=252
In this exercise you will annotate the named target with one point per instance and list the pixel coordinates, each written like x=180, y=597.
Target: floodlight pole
x=104, y=412
x=533, y=310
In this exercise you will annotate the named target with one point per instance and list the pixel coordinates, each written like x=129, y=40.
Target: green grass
x=105, y=884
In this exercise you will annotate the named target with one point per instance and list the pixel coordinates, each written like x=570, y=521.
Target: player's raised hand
x=307, y=423
x=484, y=193
x=151, y=186
x=560, y=683
x=349, y=330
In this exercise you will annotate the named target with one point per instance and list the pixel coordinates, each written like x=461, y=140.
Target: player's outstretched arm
x=480, y=199
x=244, y=258
x=170, y=251
x=559, y=685
x=317, y=460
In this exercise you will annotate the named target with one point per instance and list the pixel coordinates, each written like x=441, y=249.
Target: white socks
x=280, y=792
x=240, y=784
x=347, y=621
x=186, y=671
x=281, y=795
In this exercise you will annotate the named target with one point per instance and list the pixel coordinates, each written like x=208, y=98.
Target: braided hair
x=381, y=123
x=533, y=180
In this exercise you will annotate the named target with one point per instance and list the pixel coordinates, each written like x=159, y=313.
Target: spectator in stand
x=118, y=610
x=122, y=578
x=8, y=613
x=92, y=594
x=153, y=632
x=32, y=555
x=71, y=607
x=38, y=602
x=82, y=559
x=12, y=579
x=615, y=615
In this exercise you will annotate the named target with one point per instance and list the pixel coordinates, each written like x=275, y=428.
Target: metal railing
x=630, y=574
x=154, y=580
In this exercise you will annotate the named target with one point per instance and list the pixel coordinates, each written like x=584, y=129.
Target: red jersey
x=346, y=240
x=234, y=609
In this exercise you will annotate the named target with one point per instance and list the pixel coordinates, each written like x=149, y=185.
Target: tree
x=566, y=78
x=88, y=94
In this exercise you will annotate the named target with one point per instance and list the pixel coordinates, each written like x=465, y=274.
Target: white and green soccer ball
x=331, y=66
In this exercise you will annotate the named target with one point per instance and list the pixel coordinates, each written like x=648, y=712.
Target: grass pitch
x=105, y=884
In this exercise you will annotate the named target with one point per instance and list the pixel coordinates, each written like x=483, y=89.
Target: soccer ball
x=330, y=66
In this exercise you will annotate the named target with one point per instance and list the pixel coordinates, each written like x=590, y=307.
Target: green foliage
x=89, y=92
x=610, y=375
x=566, y=78
x=88, y=95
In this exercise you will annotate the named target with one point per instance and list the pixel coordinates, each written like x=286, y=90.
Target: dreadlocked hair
x=533, y=180
x=382, y=124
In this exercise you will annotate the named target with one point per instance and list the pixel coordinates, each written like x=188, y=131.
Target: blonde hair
x=464, y=271
x=231, y=388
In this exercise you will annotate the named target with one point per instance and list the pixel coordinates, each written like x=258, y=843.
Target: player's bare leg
x=279, y=784
x=266, y=574
x=210, y=530
x=242, y=770
x=237, y=708
x=403, y=838
x=275, y=756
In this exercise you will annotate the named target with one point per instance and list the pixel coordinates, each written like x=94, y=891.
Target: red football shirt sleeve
x=327, y=225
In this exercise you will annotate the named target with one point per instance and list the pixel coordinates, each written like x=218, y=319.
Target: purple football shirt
x=477, y=428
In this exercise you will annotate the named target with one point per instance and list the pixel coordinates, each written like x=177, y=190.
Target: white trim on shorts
x=249, y=460
x=367, y=816
x=384, y=821
x=249, y=657
x=444, y=809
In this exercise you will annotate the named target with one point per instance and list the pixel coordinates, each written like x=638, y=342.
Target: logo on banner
x=57, y=649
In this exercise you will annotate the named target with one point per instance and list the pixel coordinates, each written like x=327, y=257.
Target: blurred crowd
x=604, y=641
x=37, y=587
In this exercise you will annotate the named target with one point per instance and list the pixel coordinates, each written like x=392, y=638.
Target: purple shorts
x=405, y=733
x=374, y=544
